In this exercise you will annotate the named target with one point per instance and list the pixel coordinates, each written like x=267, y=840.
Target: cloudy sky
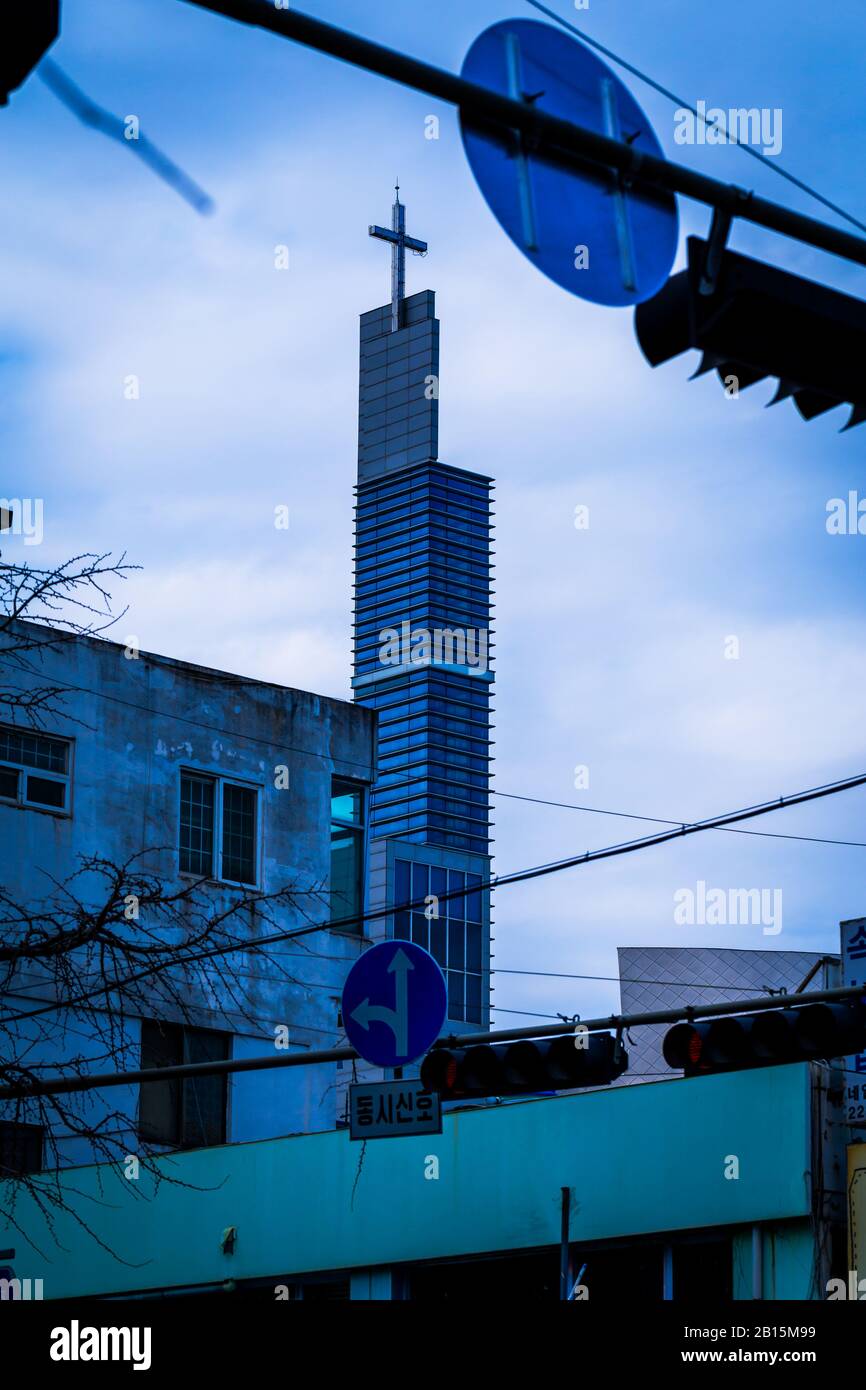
x=707, y=515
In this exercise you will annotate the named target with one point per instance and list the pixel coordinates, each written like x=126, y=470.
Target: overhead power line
x=519, y=876
x=549, y=974
x=628, y=815
x=395, y=786
x=658, y=820
x=267, y=1024
x=618, y=1022
x=678, y=101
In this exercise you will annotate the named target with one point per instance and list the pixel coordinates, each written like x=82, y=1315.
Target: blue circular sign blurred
x=394, y=1003
x=584, y=230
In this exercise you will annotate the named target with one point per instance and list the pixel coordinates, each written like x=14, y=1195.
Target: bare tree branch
x=40, y=611
x=87, y=956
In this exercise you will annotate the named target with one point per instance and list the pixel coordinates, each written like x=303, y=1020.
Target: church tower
x=422, y=645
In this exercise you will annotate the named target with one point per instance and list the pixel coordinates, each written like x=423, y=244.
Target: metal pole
x=564, y=1290
x=668, y=1274
x=757, y=1262
x=556, y=138
x=615, y=1022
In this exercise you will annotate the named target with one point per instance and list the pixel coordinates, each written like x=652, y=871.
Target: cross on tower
x=399, y=241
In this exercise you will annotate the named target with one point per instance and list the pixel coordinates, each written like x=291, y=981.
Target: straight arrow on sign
x=397, y=1019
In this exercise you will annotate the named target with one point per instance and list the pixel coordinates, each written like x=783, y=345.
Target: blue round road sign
x=394, y=1003
x=585, y=230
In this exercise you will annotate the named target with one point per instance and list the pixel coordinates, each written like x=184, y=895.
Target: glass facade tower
x=422, y=650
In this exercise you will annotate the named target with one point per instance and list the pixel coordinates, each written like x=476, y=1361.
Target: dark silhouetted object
x=21, y=1148
x=28, y=28
x=525, y=1068
x=116, y=128
x=752, y=321
x=812, y=1032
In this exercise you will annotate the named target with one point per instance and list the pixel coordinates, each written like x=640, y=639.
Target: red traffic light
x=566, y=1062
x=798, y=1032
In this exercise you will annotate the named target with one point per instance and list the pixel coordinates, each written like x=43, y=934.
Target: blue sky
x=707, y=515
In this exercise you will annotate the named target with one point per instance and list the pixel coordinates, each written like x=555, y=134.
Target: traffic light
x=28, y=28
x=524, y=1068
x=809, y=1032
x=752, y=321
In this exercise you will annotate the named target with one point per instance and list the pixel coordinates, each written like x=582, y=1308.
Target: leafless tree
x=40, y=610
x=80, y=966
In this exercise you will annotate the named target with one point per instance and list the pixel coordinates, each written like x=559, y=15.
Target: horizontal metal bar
x=62, y=1085
x=613, y=1023
x=548, y=133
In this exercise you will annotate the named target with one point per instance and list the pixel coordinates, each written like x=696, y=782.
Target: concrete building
x=249, y=786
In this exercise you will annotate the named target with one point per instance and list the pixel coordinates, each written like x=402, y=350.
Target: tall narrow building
x=422, y=645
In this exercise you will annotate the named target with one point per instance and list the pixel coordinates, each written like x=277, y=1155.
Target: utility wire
x=22, y=989
x=267, y=1024
x=712, y=125
x=562, y=975
x=394, y=786
x=378, y=788
x=657, y=820
x=519, y=876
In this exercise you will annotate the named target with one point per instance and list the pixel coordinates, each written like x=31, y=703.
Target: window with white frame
x=34, y=769
x=219, y=828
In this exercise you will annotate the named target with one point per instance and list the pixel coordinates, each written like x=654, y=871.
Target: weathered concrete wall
x=134, y=724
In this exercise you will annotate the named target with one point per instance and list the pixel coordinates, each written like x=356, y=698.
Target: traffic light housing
x=28, y=28
x=810, y=1032
x=752, y=321
x=522, y=1068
